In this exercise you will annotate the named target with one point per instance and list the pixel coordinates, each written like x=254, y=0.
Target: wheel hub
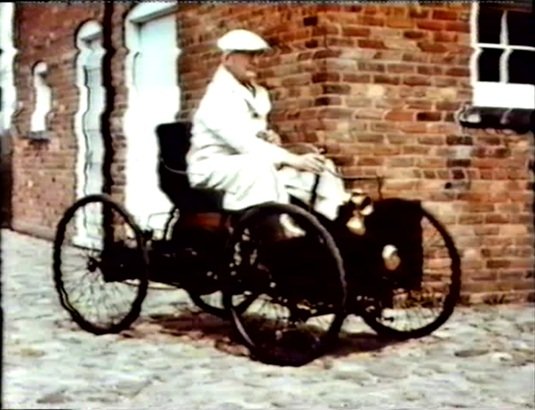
x=92, y=264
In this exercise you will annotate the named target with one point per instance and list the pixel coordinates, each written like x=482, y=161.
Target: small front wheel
x=421, y=293
x=291, y=281
x=100, y=265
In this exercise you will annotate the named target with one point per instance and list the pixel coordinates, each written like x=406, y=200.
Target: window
x=503, y=63
x=43, y=98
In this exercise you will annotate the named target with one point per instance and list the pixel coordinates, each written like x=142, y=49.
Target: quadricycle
x=387, y=260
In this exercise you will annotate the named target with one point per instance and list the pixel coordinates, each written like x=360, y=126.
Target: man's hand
x=311, y=162
x=270, y=136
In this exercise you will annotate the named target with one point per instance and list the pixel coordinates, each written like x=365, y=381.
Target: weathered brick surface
x=43, y=171
x=43, y=176
x=478, y=183
x=377, y=85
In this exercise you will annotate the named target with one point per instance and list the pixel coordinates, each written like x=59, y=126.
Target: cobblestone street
x=175, y=357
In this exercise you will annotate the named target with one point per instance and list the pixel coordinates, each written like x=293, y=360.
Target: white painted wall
x=7, y=56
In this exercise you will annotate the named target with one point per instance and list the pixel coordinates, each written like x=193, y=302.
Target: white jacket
x=227, y=155
x=227, y=122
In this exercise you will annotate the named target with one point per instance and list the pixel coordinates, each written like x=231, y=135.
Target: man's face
x=242, y=65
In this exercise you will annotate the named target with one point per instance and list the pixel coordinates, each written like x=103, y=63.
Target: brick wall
x=494, y=214
x=376, y=85
x=379, y=86
x=397, y=74
x=43, y=172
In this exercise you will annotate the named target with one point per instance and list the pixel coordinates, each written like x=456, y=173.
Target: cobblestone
x=176, y=357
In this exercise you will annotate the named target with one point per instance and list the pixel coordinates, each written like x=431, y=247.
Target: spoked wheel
x=293, y=285
x=420, y=294
x=100, y=265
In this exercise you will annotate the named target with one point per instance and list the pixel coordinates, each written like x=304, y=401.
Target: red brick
x=369, y=66
x=416, y=80
x=418, y=104
x=428, y=116
x=326, y=53
x=339, y=89
x=445, y=81
x=347, y=42
x=430, y=25
x=356, y=78
x=368, y=114
x=413, y=128
x=332, y=100
x=336, y=113
x=399, y=23
x=355, y=31
x=371, y=21
x=430, y=70
x=445, y=15
x=400, y=68
x=458, y=72
x=400, y=116
x=457, y=26
x=325, y=77
x=415, y=58
x=385, y=79
x=445, y=37
x=414, y=35
x=377, y=44
x=432, y=47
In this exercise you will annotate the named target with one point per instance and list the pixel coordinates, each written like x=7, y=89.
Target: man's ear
x=225, y=58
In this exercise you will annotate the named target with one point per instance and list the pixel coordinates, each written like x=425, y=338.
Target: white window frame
x=7, y=75
x=497, y=94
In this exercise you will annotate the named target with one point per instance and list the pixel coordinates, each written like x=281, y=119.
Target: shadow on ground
x=210, y=330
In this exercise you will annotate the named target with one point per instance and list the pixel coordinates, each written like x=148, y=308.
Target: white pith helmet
x=242, y=40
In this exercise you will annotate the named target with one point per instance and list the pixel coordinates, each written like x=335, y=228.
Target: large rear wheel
x=100, y=265
x=291, y=282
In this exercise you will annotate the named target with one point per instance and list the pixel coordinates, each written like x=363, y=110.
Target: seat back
x=174, y=140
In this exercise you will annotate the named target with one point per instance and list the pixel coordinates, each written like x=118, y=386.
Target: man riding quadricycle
x=259, y=234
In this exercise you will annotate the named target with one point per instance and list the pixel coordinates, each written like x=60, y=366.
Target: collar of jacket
x=257, y=102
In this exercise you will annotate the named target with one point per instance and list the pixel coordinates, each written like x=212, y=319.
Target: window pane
x=489, y=25
x=489, y=64
x=522, y=67
x=521, y=28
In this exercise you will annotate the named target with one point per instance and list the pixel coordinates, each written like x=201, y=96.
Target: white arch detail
x=146, y=106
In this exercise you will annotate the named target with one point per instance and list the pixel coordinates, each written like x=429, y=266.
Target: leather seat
x=174, y=142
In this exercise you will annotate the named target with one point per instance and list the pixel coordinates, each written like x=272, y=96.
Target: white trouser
x=249, y=181
x=330, y=190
